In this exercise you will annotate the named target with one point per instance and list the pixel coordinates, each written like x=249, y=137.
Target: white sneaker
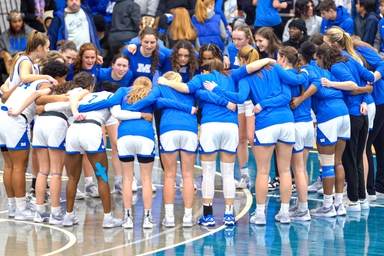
x=300, y=215
x=324, y=212
x=188, y=221
x=128, y=222
x=11, y=211
x=340, y=210
x=283, y=218
x=372, y=198
x=364, y=204
x=293, y=208
x=112, y=221
x=153, y=188
x=244, y=182
x=27, y=214
x=118, y=187
x=379, y=195
x=70, y=220
x=41, y=217
x=353, y=206
x=134, y=184
x=169, y=221
x=258, y=219
x=91, y=190
x=79, y=195
x=56, y=219
x=316, y=186
x=149, y=222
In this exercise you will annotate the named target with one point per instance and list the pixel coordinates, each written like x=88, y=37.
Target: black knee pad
x=4, y=149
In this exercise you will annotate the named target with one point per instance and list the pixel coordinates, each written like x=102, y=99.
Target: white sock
x=40, y=208
x=107, y=214
x=228, y=209
x=11, y=201
x=284, y=208
x=169, y=210
x=128, y=211
x=244, y=171
x=147, y=212
x=55, y=210
x=69, y=213
x=21, y=203
x=338, y=198
x=88, y=180
x=187, y=211
x=303, y=206
x=260, y=208
x=118, y=178
x=328, y=200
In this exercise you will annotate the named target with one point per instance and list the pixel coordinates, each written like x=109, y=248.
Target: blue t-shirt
x=106, y=74
x=142, y=66
x=267, y=15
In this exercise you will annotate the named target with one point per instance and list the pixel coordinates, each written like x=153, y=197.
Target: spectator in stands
x=75, y=23
x=13, y=40
x=297, y=34
x=210, y=28
x=267, y=15
x=103, y=35
x=304, y=9
x=125, y=24
x=366, y=21
x=47, y=19
x=379, y=38
x=335, y=16
x=181, y=28
x=166, y=8
x=148, y=7
x=249, y=9
x=34, y=10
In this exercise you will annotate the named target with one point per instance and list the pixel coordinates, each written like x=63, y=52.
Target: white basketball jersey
x=99, y=115
x=14, y=78
x=21, y=93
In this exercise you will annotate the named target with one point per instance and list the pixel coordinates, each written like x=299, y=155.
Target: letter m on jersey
x=144, y=68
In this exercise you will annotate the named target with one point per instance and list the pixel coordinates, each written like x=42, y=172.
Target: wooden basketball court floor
x=355, y=234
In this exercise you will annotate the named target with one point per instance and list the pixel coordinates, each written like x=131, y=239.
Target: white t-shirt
x=77, y=27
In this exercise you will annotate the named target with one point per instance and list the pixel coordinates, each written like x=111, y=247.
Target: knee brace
x=327, y=160
x=208, y=186
x=229, y=188
x=328, y=172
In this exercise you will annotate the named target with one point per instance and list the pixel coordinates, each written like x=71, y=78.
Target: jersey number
x=93, y=97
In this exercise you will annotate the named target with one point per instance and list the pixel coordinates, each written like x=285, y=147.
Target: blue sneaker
x=208, y=221
x=229, y=220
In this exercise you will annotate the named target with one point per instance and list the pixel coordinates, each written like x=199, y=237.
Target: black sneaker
x=274, y=184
